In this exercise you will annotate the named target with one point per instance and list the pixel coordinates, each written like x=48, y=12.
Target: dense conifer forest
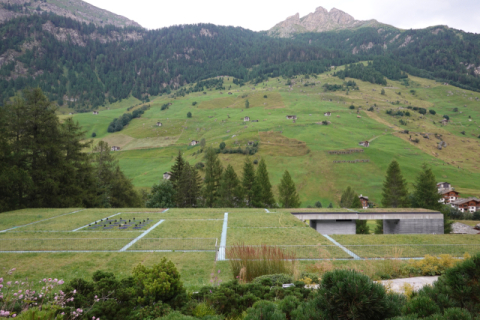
x=84, y=66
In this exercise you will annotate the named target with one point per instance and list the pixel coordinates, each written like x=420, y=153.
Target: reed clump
x=248, y=262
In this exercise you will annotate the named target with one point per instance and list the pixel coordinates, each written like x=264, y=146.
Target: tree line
x=221, y=187
x=43, y=163
x=395, y=195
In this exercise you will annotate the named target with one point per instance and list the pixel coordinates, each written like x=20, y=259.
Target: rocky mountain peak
x=319, y=21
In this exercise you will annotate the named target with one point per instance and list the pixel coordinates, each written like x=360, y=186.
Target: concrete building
x=395, y=221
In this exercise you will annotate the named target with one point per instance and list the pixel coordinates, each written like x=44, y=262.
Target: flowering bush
x=19, y=296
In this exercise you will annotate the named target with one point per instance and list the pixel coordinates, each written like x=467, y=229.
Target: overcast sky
x=263, y=14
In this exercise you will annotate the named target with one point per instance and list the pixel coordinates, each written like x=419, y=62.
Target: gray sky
x=263, y=14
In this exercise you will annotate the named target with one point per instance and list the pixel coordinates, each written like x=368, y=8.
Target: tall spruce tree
x=347, y=198
x=288, y=196
x=395, y=194
x=248, y=182
x=213, y=174
x=266, y=199
x=177, y=169
x=189, y=186
x=231, y=191
x=426, y=192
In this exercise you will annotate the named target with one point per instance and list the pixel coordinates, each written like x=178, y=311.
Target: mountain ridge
x=75, y=9
x=321, y=20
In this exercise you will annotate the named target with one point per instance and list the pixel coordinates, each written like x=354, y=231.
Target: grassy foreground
x=182, y=231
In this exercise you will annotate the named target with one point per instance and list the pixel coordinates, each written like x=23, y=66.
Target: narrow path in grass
x=140, y=236
x=116, y=214
x=223, y=240
x=350, y=253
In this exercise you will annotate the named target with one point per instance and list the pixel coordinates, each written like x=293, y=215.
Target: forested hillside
x=83, y=66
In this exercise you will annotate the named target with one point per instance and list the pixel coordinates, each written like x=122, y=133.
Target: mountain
x=74, y=9
x=319, y=21
x=86, y=66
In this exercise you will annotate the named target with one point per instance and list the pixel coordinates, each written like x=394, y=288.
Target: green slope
x=302, y=147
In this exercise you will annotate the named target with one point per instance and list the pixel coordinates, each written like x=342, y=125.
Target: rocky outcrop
x=65, y=34
x=75, y=9
x=319, y=21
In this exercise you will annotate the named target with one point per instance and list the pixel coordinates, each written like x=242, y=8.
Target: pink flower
x=1, y=286
x=1, y=280
x=15, y=294
x=16, y=282
x=55, y=280
x=14, y=315
x=44, y=280
x=219, y=271
x=49, y=279
x=61, y=282
x=14, y=269
x=9, y=283
x=74, y=291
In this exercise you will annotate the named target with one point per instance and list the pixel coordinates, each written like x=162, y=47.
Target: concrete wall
x=334, y=226
x=413, y=226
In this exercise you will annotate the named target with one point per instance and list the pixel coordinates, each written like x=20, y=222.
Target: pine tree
x=288, y=196
x=379, y=227
x=213, y=174
x=356, y=203
x=426, y=194
x=395, y=194
x=267, y=200
x=248, y=181
x=188, y=187
x=230, y=192
x=318, y=204
x=176, y=170
x=347, y=198
x=247, y=104
x=362, y=227
x=330, y=205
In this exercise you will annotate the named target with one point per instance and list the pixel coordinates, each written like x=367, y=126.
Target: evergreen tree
x=379, y=227
x=161, y=196
x=288, y=196
x=395, y=194
x=330, y=205
x=347, y=198
x=247, y=104
x=248, y=182
x=189, y=187
x=267, y=200
x=114, y=190
x=176, y=170
x=318, y=204
x=230, y=192
x=426, y=194
x=356, y=203
x=213, y=174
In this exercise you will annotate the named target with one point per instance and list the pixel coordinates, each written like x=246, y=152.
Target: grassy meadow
x=189, y=237
x=302, y=147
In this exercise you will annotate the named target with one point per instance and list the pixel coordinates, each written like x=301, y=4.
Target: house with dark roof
x=246, y=119
x=194, y=143
x=167, y=175
x=364, y=201
x=365, y=144
x=292, y=117
x=115, y=148
x=469, y=204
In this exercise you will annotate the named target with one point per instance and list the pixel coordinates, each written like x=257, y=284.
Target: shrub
x=265, y=96
x=199, y=165
x=370, y=109
x=94, y=135
x=456, y=314
x=194, y=103
x=431, y=265
x=346, y=294
x=255, y=161
x=161, y=282
x=422, y=110
x=273, y=279
x=458, y=287
x=318, y=204
x=463, y=132
x=265, y=310
x=255, y=261
x=362, y=227
x=432, y=111
x=312, y=276
x=476, y=216
x=446, y=117
x=189, y=114
x=222, y=145
x=352, y=107
x=421, y=305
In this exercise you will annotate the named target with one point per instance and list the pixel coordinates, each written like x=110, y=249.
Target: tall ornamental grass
x=249, y=262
